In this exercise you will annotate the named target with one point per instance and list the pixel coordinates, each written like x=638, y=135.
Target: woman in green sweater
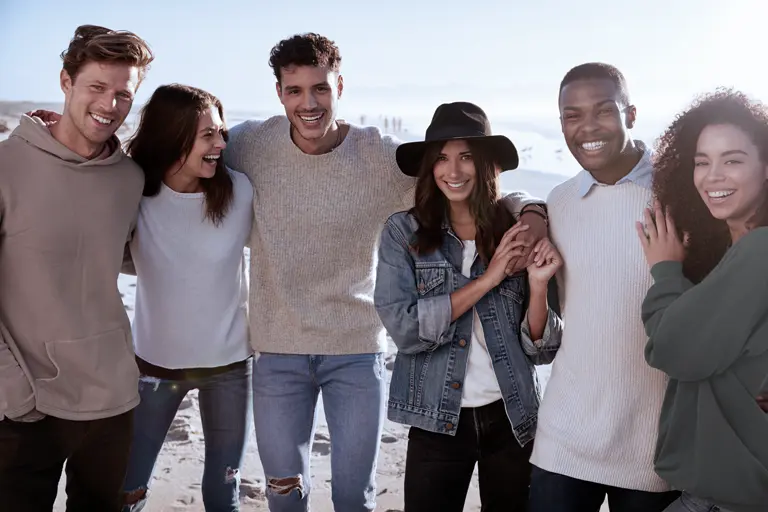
x=707, y=313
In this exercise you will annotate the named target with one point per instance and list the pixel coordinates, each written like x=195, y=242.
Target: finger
x=515, y=230
x=661, y=222
x=650, y=227
x=641, y=234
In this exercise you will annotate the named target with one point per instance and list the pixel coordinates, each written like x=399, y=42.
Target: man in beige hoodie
x=69, y=197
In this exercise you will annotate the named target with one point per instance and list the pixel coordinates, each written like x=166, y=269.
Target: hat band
x=453, y=132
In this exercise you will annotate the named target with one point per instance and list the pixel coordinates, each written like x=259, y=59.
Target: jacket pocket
x=93, y=375
x=430, y=281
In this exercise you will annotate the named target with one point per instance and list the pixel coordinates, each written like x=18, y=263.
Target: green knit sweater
x=712, y=341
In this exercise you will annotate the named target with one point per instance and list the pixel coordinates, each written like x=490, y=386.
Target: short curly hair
x=673, y=185
x=100, y=44
x=308, y=49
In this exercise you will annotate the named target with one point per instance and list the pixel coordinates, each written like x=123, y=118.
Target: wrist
x=487, y=282
x=537, y=286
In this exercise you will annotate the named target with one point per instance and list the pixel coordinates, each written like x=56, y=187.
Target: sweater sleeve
x=404, y=185
x=240, y=146
x=699, y=331
x=16, y=394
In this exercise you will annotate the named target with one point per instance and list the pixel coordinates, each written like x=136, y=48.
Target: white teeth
x=593, y=146
x=211, y=158
x=101, y=120
x=720, y=193
x=456, y=185
x=311, y=119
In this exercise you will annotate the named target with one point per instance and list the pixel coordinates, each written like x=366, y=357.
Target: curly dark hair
x=673, y=185
x=308, y=49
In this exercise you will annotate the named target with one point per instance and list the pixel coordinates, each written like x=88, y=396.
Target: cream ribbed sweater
x=598, y=420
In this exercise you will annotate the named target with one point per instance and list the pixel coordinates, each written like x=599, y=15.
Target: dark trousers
x=32, y=456
x=551, y=492
x=439, y=467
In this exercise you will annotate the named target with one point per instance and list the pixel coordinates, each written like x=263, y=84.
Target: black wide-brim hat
x=457, y=121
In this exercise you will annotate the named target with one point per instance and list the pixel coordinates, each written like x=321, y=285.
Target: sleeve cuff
x=434, y=317
x=667, y=269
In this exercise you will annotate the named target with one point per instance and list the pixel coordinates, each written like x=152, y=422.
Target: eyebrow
x=725, y=153
x=598, y=104
x=467, y=152
x=319, y=84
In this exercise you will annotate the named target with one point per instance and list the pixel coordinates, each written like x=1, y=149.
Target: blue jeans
x=285, y=391
x=225, y=411
x=552, y=492
x=688, y=503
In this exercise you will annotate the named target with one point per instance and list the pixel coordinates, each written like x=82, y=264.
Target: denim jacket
x=412, y=298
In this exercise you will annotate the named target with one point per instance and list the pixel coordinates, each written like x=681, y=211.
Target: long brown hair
x=492, y=219
x=166, y=135
x=709, y=238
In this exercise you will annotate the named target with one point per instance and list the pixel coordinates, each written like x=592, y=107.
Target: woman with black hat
x=468, y=333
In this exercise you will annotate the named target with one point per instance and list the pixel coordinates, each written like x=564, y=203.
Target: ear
x=631, y=117
x=279, y=90
x=339, y=86
x=65, y=81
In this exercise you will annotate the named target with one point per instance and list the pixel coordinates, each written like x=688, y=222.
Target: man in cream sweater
x=599, y=416
x=322, y=191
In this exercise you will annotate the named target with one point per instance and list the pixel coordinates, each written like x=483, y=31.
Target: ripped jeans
x=225, y=411
x=286, y=388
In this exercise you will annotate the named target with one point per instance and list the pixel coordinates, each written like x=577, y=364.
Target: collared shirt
x=641, y=174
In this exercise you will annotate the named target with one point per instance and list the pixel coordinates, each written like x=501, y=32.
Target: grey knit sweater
x=317, y=220
x=316, y=225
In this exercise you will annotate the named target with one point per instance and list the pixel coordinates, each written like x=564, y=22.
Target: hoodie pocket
x=93, y=375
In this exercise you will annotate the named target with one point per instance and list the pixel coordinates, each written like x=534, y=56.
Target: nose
x=107, y=103
x=220, y=142
x=310, y=102
x=716, y=172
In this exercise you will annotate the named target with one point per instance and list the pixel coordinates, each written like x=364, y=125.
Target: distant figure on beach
x=598, y=420
x=468, y=328
x=190, y=328
x=386, y=125
x=706, y=315
x=68, y=203
x=323, y=190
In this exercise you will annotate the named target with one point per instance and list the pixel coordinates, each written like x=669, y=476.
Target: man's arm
x=530, y=211
x=240, y=146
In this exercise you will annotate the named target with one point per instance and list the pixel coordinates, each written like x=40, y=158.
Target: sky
x=404, y=57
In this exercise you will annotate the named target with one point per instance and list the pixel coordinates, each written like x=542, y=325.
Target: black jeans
x=439, y=467
x=551, y=492
x=32, y=456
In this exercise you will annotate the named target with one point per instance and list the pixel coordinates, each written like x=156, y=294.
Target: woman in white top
x=190, y=327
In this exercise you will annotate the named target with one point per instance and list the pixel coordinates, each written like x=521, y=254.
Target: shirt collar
x=641, y=174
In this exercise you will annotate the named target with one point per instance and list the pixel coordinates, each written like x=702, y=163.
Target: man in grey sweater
x=322, y=190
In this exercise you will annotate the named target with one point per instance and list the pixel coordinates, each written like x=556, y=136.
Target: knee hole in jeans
x=285, y=486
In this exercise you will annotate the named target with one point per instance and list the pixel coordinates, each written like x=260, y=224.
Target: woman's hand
x=658, y=237
x=507, y=249
x=546, y=262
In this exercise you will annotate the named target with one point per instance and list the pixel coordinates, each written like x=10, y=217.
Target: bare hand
x=507, y=249
x=537, y=231
x=546, y=262
x=659, y=237
x=46, y=116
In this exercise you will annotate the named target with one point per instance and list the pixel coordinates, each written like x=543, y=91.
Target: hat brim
x=410, y=154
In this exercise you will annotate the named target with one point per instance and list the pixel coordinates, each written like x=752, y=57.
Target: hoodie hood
x=34, y=132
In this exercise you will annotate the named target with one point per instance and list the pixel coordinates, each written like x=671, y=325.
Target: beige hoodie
x=65, y=339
